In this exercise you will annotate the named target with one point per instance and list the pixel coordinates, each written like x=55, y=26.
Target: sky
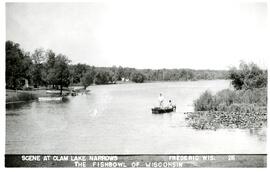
x=197, y=34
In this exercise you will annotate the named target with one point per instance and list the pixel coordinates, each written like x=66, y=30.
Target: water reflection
x=13, y=114
x=19, y=105
x=260, y=133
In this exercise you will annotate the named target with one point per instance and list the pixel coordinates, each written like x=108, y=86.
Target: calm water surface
x=117, y=119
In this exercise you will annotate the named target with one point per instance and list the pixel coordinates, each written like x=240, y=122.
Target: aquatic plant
x=219, y=119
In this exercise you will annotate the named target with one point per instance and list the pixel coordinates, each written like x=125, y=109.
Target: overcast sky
x=202, y=34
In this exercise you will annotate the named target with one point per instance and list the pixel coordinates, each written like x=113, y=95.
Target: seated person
x=170, y=105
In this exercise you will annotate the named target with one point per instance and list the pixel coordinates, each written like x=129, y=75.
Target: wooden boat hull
x=158, y=110
x=50, y=98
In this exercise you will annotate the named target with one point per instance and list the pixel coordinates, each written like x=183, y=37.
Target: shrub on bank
x=232, y=100
x=242, y=107
x=205, y=102
x=255, y=96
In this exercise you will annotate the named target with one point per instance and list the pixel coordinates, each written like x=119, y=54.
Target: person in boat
x=161, y=100
x=170, y=105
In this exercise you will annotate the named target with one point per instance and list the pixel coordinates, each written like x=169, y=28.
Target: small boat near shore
x=159, y=110
x=53, y=92
x=50, y=98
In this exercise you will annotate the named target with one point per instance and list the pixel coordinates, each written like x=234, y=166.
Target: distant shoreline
x=20, y=96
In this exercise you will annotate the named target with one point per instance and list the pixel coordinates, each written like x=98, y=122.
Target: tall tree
x=38, y=58
x=49, y=75
x=88, y=78
x=78, y=72
x=18, y=65
x=61, y=71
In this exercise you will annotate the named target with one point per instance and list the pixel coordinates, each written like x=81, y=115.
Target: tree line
x=49, y=69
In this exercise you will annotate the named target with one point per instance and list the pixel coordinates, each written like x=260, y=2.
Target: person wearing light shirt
x=161, y=100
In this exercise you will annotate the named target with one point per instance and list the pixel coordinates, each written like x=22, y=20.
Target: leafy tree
x=62, y=75
x=103, y=77
x=38, y=58
x=88, y=78
x=18, y=65
x=49, y=75
x=137, y=77
x=120, y=73
x=248, y=76
x=77, y=72
x=57, y=71
x=50, y=58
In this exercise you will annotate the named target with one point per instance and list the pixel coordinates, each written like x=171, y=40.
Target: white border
x=2, y=86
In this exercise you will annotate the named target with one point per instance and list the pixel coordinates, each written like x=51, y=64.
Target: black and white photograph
x=136, y=83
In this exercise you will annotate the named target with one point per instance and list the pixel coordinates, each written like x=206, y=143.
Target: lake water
x=117, y=119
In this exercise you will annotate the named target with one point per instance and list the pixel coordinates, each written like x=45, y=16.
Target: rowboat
x=50, y=98
x=159, y=110
x=53, y=92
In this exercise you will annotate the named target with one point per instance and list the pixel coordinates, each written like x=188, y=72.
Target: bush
x=226, y=97
x=255, y=96
x=232, y=100
x=137, y=77
x=205, y=102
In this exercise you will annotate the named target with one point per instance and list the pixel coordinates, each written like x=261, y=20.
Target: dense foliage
x=18, y=65
x=137, y=77
x=232, y=100
x=248, y=76
x=40, y=69
x=88, y=77
x=103, y=77
x=46, y=68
